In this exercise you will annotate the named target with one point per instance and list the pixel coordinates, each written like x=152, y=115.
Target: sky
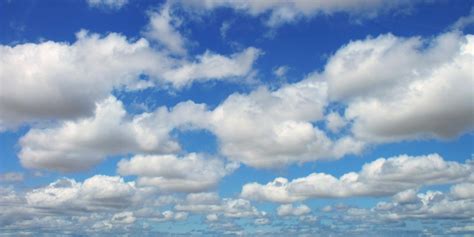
x=236, y=118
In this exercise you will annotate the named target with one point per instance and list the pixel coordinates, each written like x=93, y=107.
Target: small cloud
x=225, y=28
x=281, y=71
x=107, y=4
x=464, y=21
x=11, y=177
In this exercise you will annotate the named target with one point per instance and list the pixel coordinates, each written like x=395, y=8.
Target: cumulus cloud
x=191, y=173
x=275, y=127
x=94, y=194
x=463, y=190
x=281, y=11
x=79, y=144
x=382, y=177
x=405, y=88
x=429, y=205
x=334, y=122
x=162, y=28
x=290, y=210
x=215, y=66
x=100, y=204
x=40, y=81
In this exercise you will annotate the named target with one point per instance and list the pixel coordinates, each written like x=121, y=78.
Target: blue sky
x=247, y=118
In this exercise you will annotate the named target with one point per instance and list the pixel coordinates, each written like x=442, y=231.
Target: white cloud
x=334, y=122
x=215, y=66
x=212, y=217
x=77, y=145
x=111, y=4
x=407, y=196
x=289, y=11
x=429, y=205
x=463, y=190
x=94, y=194
x=290, y=210
x=405, y=88
x=464, y=21
x=275, y=127
x=40, y=81
x=281, y=71
x=191, y=173
x=382, y=177
x=162, y=28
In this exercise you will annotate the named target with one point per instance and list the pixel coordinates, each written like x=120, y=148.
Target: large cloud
x=382, y=177
x=55, y=80
x=192, y=173
x=405, y=88
x=52, y=80
x=274, y=128
x=79, y=144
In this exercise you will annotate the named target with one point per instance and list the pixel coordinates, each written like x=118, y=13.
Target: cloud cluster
x=79, y=144
x=40, y=81
x=274, y=128
x=382, y=177
x=212, y=205
x=103, y=204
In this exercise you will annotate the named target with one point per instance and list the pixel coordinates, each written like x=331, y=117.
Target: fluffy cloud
x=429, y=205
x=382, y=177
x=405, y=88
x=275, y=127
x=103, y=204
x=40, y=81
x=96, y=193
x=215, y=66
x=77, y=145
x=192, y=173
x=162, y=28
x=334, y=122
x=290, y=210
x=288, y=11
x=463, y=190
